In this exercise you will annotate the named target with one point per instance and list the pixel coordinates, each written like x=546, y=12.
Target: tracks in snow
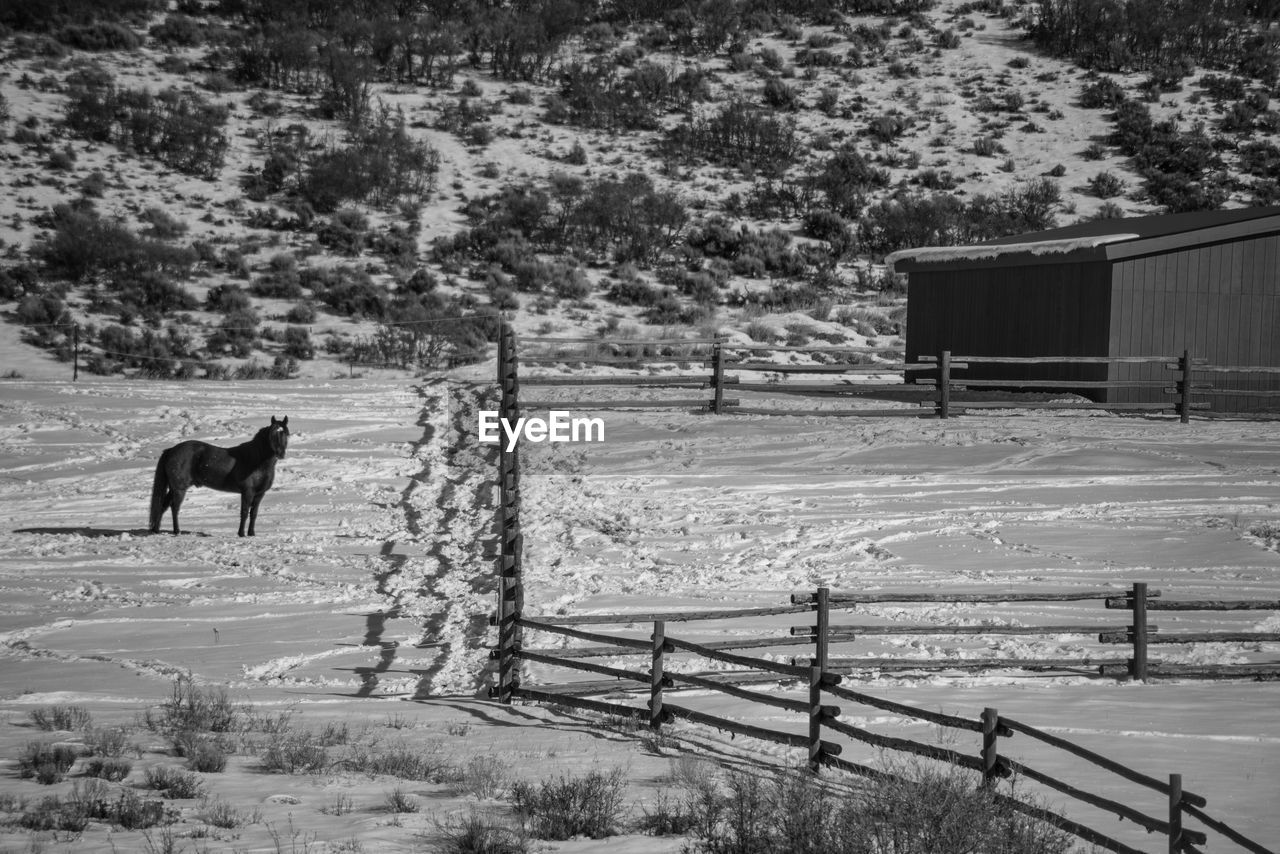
x=439, y=574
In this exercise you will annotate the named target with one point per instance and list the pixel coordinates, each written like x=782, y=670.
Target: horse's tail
x=159, y=492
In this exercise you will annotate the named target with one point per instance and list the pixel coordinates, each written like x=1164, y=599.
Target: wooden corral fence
x=822, y=673
x=936, y=384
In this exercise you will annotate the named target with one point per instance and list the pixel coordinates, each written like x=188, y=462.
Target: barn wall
x=1219, y=301
x=1040, y=310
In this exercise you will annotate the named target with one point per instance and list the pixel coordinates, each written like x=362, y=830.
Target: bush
x=83, y=246
x=907, y=221
x=206, y=755
x=113, y=768
x=219, y=813
x=227, y=298
x=634, y=292
x=163, y=225
x=399, y=801
x=178, y=30
x=297, y=343
x=426, y=762
x=281, y=280
x=155, y=354
x=99, y=36
x=238, y=334
x=598, y=94
x=1122, y=37
x=61, y=718
x=47, y=763
x=108, y=742
x=303, y=314
x=44, y=315
x=913, y=811
x=174, y=784
x=193, y=708
x=478, y=833
x=296, y=753
x=778, y=95
x=54, y=814
x=590, y=805
x=347, y=291
x=831, y=227
x=987, y=146
x=133, y=813
x=846, y=178
x=179, y=128
x=346, y=232
x=740, y=136
x=380, y=164
x=1104, y=92
x=36, y=15
x=1105, y=185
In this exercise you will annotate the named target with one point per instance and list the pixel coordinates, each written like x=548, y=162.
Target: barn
x=1204, y=282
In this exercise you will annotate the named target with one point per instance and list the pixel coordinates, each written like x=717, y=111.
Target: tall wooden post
x=1184, y=388
x=990, y=747
x=717, y=405
x=1175, y=814
x=655, y=674
x=510, y=581
x=75, y=352
x=944, y=384
x=815, y=718
x=1138, y=664
x=820, y=630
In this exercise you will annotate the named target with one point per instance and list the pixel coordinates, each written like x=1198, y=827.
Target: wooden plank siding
x=1218, y=300
x=1013, y=311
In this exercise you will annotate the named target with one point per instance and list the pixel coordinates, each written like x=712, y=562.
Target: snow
x=365, y=598
x=979, y=252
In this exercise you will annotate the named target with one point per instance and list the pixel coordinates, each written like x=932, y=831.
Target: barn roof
x=1097, y=240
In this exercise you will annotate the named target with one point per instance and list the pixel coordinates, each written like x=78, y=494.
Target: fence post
x=815, y=718
x=820, y=631
x=717, y=406
x=944, y=384
x=990, y=747
x=655, y=674
x=1138, y=601
x=1184, y=405
x=1175, y=814
x=510, y=582
x=75, y=352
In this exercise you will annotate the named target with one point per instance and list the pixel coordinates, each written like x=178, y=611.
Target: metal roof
x=1097, y=240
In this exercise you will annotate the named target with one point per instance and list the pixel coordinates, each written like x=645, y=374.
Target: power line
x=308, y=327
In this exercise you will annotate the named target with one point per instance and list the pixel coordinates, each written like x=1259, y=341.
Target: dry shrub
x=590, y=805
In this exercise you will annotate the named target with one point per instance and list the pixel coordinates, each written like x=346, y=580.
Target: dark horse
x=248, y=469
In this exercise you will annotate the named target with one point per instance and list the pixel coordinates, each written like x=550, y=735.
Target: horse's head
x=278, y=436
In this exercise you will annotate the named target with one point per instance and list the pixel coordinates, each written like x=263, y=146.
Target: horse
x=248, y=469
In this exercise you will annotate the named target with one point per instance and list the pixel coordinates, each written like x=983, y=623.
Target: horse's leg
x=253, y=511
x=246, y=501
x=174, y=501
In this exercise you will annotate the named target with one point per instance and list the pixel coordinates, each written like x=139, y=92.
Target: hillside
x=251, y=190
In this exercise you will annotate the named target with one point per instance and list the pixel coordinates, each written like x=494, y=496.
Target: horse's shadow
x=96, y=533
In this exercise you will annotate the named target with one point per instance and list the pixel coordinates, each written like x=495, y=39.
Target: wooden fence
x=937, y=385
x=821, y=673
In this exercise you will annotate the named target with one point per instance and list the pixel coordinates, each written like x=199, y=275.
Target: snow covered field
x=366, y=594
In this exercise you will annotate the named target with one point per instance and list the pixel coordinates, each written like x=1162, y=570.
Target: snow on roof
x=938, y=254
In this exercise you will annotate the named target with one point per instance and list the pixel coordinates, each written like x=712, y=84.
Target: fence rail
x=939, y=383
